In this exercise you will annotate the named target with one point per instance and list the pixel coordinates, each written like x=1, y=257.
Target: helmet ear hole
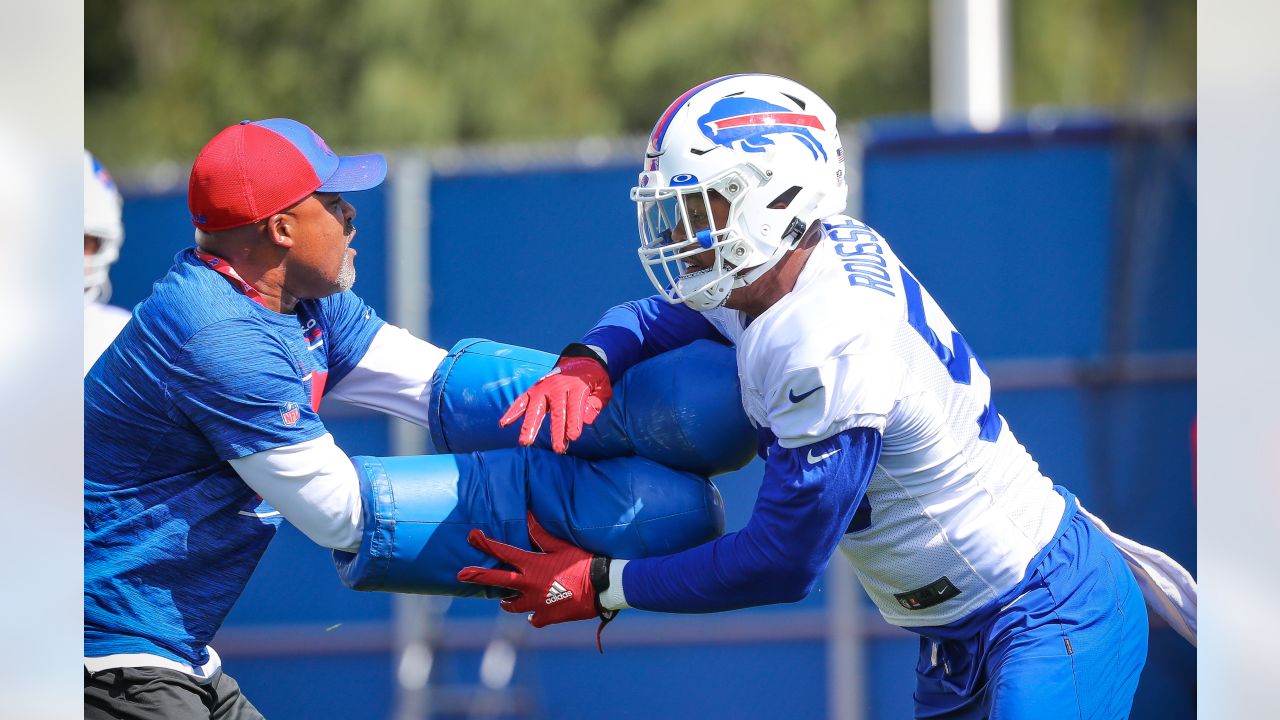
x=784, y=200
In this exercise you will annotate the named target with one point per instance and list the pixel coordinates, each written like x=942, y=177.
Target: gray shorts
x=149, y=693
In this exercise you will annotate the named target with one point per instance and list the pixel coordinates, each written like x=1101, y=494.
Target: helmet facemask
x=102, y=209
x=97, y=285
x=677, y=223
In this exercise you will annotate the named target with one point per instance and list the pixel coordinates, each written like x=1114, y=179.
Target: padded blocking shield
x=682, y=408
x=418, y=510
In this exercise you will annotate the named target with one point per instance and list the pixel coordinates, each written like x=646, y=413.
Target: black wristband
x=599, y=574
x=580, y=350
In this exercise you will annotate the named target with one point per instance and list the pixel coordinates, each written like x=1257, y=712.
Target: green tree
x=161, y=77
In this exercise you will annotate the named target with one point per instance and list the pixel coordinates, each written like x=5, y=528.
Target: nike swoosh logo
x=797, y=398
x=814, y=460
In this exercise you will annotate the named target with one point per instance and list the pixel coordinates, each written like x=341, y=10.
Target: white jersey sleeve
x=810, y=371
x=812, y=403
x=313, y=485
x=102, y=323
x=394, y=376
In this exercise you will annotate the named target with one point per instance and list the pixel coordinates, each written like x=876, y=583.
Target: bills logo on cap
x=320, y=141
x=290, y=414
x=748, y=123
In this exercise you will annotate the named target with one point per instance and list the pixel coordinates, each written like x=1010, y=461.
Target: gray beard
x=346, y=274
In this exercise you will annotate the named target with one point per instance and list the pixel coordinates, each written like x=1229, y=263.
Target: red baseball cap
x=257, y=168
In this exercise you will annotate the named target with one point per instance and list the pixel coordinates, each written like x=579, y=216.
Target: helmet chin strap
x=708, y=298
x=718, y=294
x=790, y=238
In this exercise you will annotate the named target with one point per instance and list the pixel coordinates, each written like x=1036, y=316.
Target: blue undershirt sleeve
x=641, y=329
x=806, y=504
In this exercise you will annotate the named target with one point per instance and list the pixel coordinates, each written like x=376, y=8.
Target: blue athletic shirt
x=201, y=375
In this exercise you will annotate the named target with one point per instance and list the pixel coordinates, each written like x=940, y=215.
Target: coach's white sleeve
x=314, y=486
x=394, y=376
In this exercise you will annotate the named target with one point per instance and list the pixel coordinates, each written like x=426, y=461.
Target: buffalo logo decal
x=749, y=123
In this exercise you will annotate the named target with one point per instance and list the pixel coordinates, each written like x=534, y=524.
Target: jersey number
x=957, y=360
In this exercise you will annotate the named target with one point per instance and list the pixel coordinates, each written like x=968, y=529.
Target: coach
x=200, y=423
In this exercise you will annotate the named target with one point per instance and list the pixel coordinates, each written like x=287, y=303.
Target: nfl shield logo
x=290, y=414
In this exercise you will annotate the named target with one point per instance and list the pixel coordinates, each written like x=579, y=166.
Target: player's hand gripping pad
x=682, y=408
x=418, y=511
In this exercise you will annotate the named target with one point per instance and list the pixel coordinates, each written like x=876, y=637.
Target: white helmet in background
x=767, y=145
x=102, y=206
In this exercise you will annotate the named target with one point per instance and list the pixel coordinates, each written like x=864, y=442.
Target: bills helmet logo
x=101, y=173
x=749, y=123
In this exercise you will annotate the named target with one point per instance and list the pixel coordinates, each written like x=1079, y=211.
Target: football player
x=877, y=427
x=103, y=236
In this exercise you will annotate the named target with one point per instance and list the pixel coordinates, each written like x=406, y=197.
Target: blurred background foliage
x=161, y=78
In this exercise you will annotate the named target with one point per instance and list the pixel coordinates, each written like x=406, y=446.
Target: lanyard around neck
x=223, y=268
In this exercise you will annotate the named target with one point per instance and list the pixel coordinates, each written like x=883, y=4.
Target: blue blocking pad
x=418, y=511
x=682, y=408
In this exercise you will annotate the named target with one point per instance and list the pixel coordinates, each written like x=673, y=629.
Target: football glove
x=574, y=393
x=559, y=584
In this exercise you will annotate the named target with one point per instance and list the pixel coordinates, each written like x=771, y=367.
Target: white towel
x=1167, y=587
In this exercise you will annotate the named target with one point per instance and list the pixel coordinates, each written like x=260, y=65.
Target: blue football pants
x=1071, y=646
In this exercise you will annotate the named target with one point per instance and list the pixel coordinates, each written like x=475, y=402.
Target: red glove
x=575, y=392
x=555, y=584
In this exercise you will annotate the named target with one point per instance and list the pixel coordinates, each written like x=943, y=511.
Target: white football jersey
x=957, y=506
x=102, y=322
